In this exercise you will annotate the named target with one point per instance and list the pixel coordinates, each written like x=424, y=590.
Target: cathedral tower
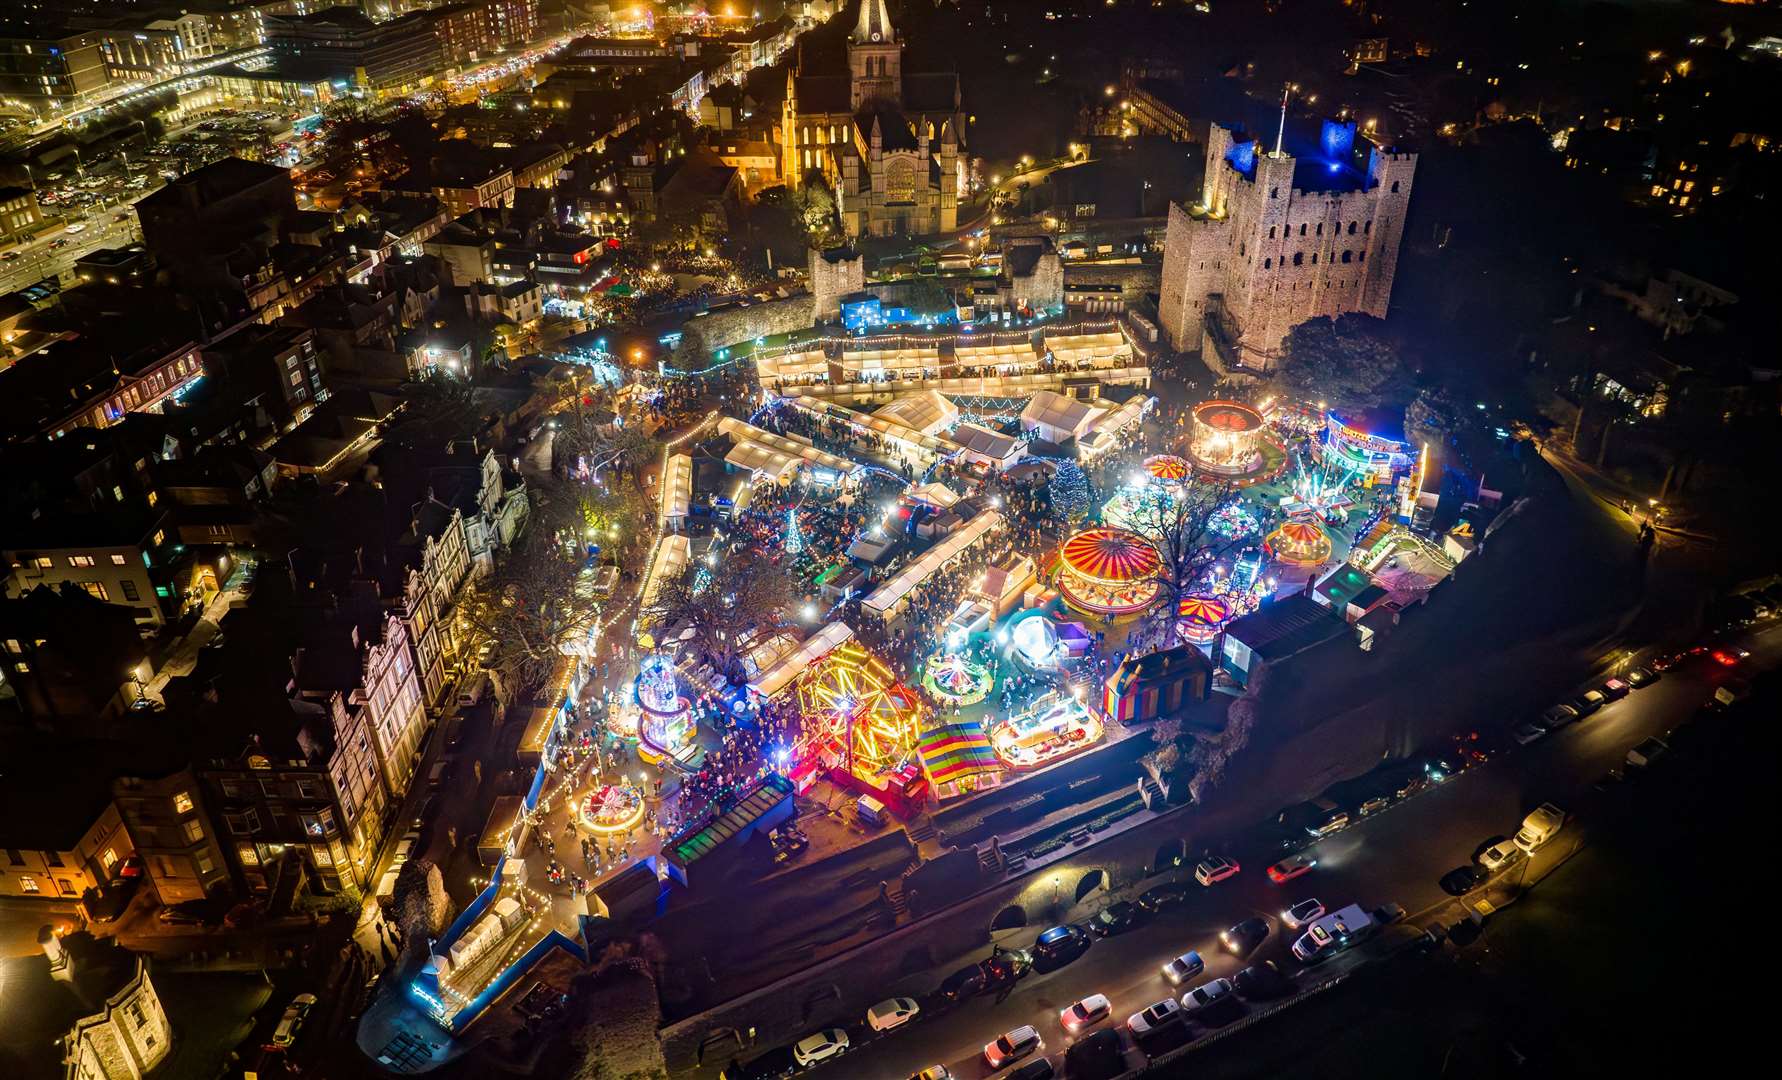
x=875, y=58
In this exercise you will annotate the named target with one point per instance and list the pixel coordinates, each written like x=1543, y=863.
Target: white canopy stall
x=889, y=600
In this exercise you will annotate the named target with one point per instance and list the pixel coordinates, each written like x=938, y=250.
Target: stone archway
x=1013, y=917
x=1170, y=855
x=1090, y=883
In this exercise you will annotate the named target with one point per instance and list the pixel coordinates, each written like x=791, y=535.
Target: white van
x=1539, y=827
x=436, y=775
x=471, y=691
x=386, y=887
x=1333, y=933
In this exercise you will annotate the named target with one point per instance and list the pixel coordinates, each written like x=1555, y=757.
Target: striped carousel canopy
x=1116, y=556
x=1167, y=467
x=1204, y=610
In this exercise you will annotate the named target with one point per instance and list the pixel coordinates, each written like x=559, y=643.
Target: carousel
x=1234, y=521
x=1140, y=504
x=1226, y=440
x=1109, y=572
x=1168, y=468
x=856, y=714
x=1054, y=726
x=1200, y=618
x=613, y=808
x=953, y=679
x=1298, y=543
x=658, y=716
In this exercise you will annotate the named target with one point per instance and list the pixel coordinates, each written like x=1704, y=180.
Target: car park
x=1558, y=716
x=1260, y=982
x=1527, y=732
x=1183, y=968
x=1289, y=868
x=892, y=1013
x=1154, y=1016
x=1085, y=1013
x=1462, y=880
x=1012, y=1046
x=1207, y=995
x=291, y=1022
x=1166, y=895
x=1302, y=913
x=1243, y=938
x=1115, y=919
x=825, y=1045
x=1213, y=870
x=1646, y=752
x=1060, y=945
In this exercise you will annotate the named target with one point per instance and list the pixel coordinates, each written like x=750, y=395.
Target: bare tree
x=539, y=599
x=743, y=600
x=1180, y=528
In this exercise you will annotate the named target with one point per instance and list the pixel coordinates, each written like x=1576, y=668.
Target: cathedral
x=890, y=145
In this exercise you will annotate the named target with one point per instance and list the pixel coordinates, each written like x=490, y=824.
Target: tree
x=743, y=600
x=601, y=440
x=1180, y=528
x=1347, y=363
x=538, y=600
x=1212, y=753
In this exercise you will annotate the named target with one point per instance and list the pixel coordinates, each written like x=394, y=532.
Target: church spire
x=874, y=24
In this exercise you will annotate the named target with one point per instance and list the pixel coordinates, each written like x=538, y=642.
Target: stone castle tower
x=1276, y=240
x=834, y=274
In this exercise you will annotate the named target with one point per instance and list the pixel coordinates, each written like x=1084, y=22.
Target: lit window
x=44, y=562
x=119, y=560
x=95, y=590
x=182, y=803
x=248, y=856
x=160, y=535
x=27, y=883
x=194, y=831
x=109, y=858
x=80, y=561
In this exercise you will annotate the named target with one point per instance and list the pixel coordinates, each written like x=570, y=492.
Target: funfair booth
x=1054, y=726
x=1372, y=457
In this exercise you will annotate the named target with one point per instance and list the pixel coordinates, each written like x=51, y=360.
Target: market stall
x=1054, y=726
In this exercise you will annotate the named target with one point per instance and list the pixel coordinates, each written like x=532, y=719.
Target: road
x=37, y=261
x=1397, y=855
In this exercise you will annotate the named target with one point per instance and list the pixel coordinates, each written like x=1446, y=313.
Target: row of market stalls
x=770, y=456
x=1097, y=347
x=889, y=600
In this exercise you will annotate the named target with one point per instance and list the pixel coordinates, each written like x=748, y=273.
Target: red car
x=1288, y=869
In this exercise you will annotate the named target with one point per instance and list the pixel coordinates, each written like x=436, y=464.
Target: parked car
x=1558, y=716
x=1609, y=781
x=1207, y=995
x=1500, y=856
x=933, y=1072
x=1115, y=919
x=1183, y=968
x=1541, y=825
x=892, y=1013
x=1289, y=868
x=776, y=1064
x=1034, y=1070
x=1061, y=944
x=1329, y=818
x=1528, y=731
x=1154, y=1016
x=1012, y=1046
x=1243, y=938
x=292, y=1021
x=1615, y=689
x=1588, y=702
x=1462, y=880
x=1166, y=895
x=1259, y=982
x=1373, y=805
x=1081, y=1014
x=964, y=983
x=1095, y=1057
x=1646, y=752
x=825, y=1045
x=1214, y=870
x=1302, y=913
